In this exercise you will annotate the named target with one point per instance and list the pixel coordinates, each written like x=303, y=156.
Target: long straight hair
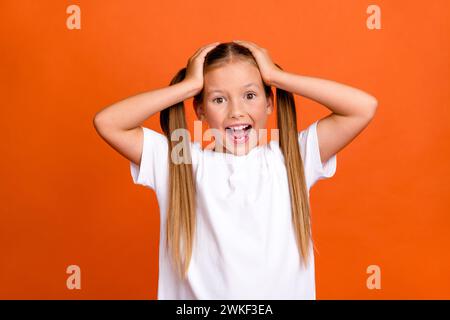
x=181, y=214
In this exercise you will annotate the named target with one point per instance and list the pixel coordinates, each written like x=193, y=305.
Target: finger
x=210, y=45
x=254, y=45
x=243, y=41
x=208, y=49
x=247, y=44
x=202, y=49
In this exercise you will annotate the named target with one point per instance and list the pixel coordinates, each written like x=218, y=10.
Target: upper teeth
x=240, y=127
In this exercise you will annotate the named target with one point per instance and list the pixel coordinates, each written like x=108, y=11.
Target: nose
x=236, y=110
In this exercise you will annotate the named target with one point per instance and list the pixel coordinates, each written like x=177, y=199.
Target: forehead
x=220, y=89
x=232, y=76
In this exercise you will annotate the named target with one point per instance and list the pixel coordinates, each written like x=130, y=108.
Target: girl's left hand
x=266, y=67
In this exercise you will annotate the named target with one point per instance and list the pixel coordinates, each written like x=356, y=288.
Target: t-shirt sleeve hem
x=325, y=169
x=144, y=173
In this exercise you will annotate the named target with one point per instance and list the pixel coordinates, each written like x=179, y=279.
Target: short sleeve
x=153, y=169
x=314, y=168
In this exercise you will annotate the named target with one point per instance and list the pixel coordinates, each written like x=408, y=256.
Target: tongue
x=238, y=133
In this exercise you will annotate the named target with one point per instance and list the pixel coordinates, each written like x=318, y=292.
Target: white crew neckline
x=230, y=156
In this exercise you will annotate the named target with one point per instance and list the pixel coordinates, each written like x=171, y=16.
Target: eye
x=217, y=98
x=251, y=93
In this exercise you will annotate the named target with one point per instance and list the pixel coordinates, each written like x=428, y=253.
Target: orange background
x=68, y=198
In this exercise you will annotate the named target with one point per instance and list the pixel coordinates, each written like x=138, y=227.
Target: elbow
x=373, y=106
x=99, y=122
x=96, y=121
x=375, y=103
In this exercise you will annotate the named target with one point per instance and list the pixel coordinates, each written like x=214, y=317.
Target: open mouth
x=239, y=134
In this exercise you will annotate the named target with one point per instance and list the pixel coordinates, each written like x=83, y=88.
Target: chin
x=240, y=147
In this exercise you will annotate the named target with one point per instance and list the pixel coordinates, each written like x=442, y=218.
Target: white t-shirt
x=245, y=244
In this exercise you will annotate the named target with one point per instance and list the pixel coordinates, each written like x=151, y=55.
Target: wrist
x=192, y=87
x=275, y=77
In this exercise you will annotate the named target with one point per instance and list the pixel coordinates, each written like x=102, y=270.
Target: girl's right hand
x=194, y=69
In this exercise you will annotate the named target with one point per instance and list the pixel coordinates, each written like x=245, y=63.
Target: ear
x=269, y=107
x=198, y=107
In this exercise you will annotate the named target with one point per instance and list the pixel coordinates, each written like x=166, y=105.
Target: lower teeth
x=240, y=138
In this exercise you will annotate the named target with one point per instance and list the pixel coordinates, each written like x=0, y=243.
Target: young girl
x=235, y=218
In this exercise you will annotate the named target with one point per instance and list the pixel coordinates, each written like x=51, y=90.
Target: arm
x=119, y=124
x=352, y=109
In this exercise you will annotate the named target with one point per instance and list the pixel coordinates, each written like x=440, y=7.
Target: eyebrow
x=245, y=86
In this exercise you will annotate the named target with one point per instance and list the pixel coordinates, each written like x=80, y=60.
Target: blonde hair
x=181, y=214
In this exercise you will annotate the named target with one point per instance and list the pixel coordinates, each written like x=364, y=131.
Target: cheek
x=214, y=118
x=259, y=115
